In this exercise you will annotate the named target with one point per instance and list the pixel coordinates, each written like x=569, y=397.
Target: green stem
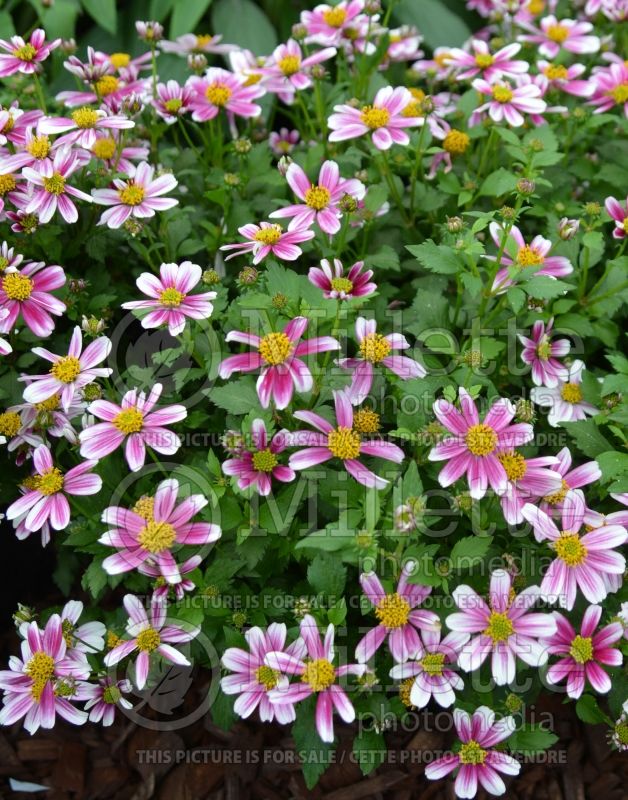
x=40, y=93
x=417, y=167
x=393, y=188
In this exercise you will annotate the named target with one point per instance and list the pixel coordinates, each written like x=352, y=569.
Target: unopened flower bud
x=463, y=502
x=372, y=7
x=318, y=72
x=526, y=186
x=197, y=62
x=568, y=228
x=592, y=209
x=283, y=164
x=301, y=607
x=507, y=213
x=536, y=145
x=77, y=285
x=232, y=179
x=133, y=226
x=536, y=304
x=149, y=31
x=279, y=301
x=299, y=32
x=472, y=358
x=248, y=276
x=91, y=392
x=404, y=518
x=69, y=46
x=361, y=175
x=23, y=614
x=210, y=277
x=238, y=618
x=427, y=105
x=612, y=400
x=524, y=411
x=92, y=325
x=513, y=703
x=455, y=224
x=348, y=204
x=233, y=442
x=242, y=146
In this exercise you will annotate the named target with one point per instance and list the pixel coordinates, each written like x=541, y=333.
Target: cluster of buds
x=149, y=31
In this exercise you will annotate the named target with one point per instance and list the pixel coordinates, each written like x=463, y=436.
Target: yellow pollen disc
x=120, y=60
x=131, y=195
x=264, y=461
x=289, y=65
x=55, y=184
x=433, y=663
x=536, y=7
x=484, y=60
x=17, y=286
x=393, y=611
x=481, y=439
x=50, y=482
x=555, y=72
x=502, y=94
x=218, y=94
x=172, y=298
x=544, y=349
x=111, y=695
x=41, y=669
x=365, y=420
x=275, y=348
x=85, y=117
x=625, y=224
x=499, y=627
x=66, y=369
x=557, y=497
x=456, y=142
x=173, y=105
x=31, y=482
x=472, y=753
x=335, y=17
x=442, y=59
x=10, y=423
x=25, y=53
x=112, y=640
x=270, y=235
x=130, y=420
x=413, y=110
x=267, y=676
x=67, y=629
x=570, y=549
x=144, y=507
x=319, y=674
x=344, y=443
x=39, y=147
x=529, y=257
x=148, y=640
x=514, y=465
x=203, y=40
x=106, y=85
x=342, y=285
x=405, y=689
x=581, y=649
x=157, y=536
x=7, y=184
x=8, y=125
x=619, y=93
x=317, y=197
x=557, y=33
x=104, y=148
x=374, y=347
x=51, y=404
x=571, y=393
x=374, y=117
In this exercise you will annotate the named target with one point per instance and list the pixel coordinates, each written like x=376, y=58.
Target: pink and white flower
x=104, y=697
x=508, y=102
x=610, y=88
x=139, y=197
x=25, y=57
x=267, y=238
x=529, y=479
x=220, y=89
x=81, y=126
x=135, y=422
x=172, y=101
x=490, y=66
x=338, y=286
x=566, y=79
x=565, y=400
x=278, y=355
x=619, y=213
x=257, y=465
x=289, y=71
x=51, y=190
x=171, y=302
x=27, y=292
x=473, y=446
x=583, y=653
x=572, y=480
x=568, y=34
x=283, y=142
x=190, y=43
x=542, y=353
x=328, y=25
x=86, y=638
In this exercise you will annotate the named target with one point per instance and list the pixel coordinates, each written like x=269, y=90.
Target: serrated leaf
x=587, y=437
x=327, y=576
x=469, y=551
x=498, y=183
x=436, y=258
x=315, y=754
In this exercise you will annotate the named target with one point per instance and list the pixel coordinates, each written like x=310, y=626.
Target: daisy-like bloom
x=289, y=70
x=384, y=120
x=504, y=628
x=70, y=373
x=115, y=158
x=338, y=286
x=327, y=25
x=568, y=34
x=565, y=400
x=611, y=88
x=104, y=697
x=279, y=357
x=619, y=213
x=267, y=238
x=9, y=258
x=476, y=761
x=400, y=618
x=37, y=685
x=81, y=126
x=529, y=479
x=489, y=65
x=27, y=292
x=317, y=675
x=86, y=638
x=25, y=57
x=179, y=588
x=139, y=197
x=220, y=89
x=542, y=353
x=438, y=67
x=252, y=679
x=283, y=142
x=36, y=148
x=341, y=441
x=14, y=123
x=432, y=669
x=151, y=535
x=588, y=562
x=321, y=201
x=190, y=43
x=519, y=255
x=572, y=480
x=135, y=422
x=509, y=102
x=172, y=101
x=375, y=348
x=51, y=190
x=473, y=446
x=258, y=465
x=566, y=78
x=171, y=301
x=582, y=653
x=149, y=634
x=46, y=500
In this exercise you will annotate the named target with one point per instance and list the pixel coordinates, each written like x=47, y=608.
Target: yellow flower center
x=85, y=117
x=104, y=148
x=365, y=420
x=289, y=65
x=529, y=257
x=120, y=60
x=557, y=497
x=252, y=79
x=25, y=53
x=157, y=536
x=374, y=347
x=319, y=674
x=374, y=117
x=106, y=85
x=571, y=393
x=218, y=94
x=203, y=40
x=557, y=33
x=171, y=297
x=625, y=224
x=31, y=482
x=267, y=676
x=344, y=443
x=335, y=17
x=10, y=423
x=619, y=93
x=456, y=142
x=270, y=235
x=341, y=285
x=514, y=465
x=7, y=184
x=502, y=94
x=433, y=663
x=50, y=482
x=481, y=439
x=173, y=105
x=55, y=184
x=144, y=507
x=148, y=640
x=264, y=461
x=484, y=60
x=67, y=629
x=317, y=197
x=536, y=7
x=544, y=349
x=111, y=695
x=393, y=611
x=472, y=753
x=51, y=404
x=131, y=195
x=39, y=147
x=17, y=286
x=113, y=640
x=405, y=690
x=499, y=627
x=570, y=549
x=556, y=72
x=130, y=420
x=581, y=649
x=66, y=369
x=275, y=348
x=41, y=669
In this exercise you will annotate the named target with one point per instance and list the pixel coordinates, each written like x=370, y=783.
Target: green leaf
x=531, y=739
x=516, y=298
x=587, y=437
x=94, y=579
x=369, y=749
x=186, y=16
x=497, y=183
x=589, y=711
x=612, y=464
x=59, y=20
x=438, y=24
x=327, y=576
x=436, y=258
x=159, y=9
x=467, y=552
x=237, y=397
x=545, y=287
x=243, y=22
x=315, y=754
x=102, y=12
